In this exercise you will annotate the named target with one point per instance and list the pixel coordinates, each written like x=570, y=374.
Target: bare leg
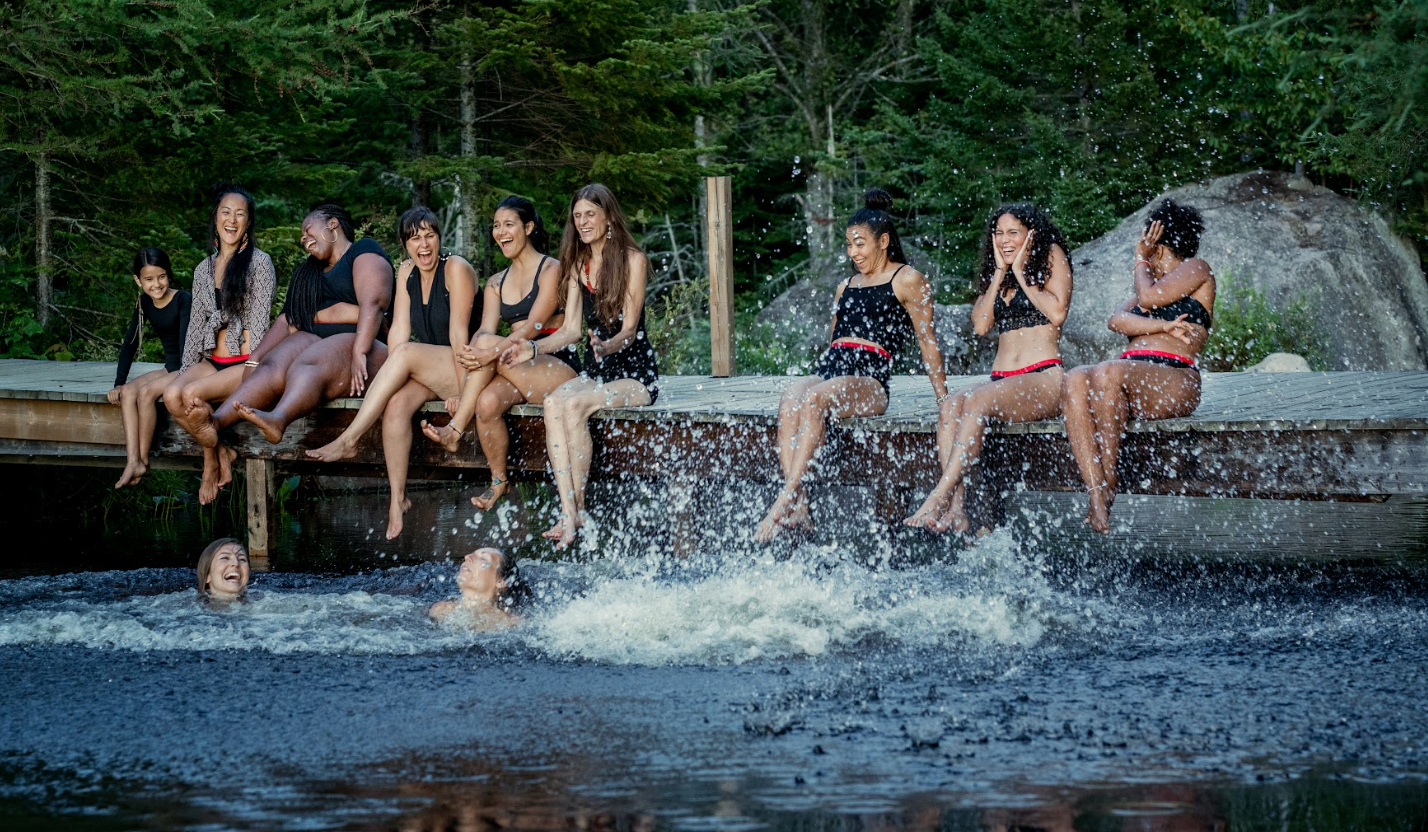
x=838, y=397
x=263, y=386
x=322, y=373
x=449, y=435
x=397, y=446
x=136, y=403
x=491, y=407
x=949, y=418
x=1076, y=392
x=426, y=364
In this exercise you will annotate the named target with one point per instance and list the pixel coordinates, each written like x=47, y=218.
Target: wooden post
x=719, y=226
x=262, y=533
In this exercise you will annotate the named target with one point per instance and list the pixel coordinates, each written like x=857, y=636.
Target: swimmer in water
x=489, y=586
x=223, y=570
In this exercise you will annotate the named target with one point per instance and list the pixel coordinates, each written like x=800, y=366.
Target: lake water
x=1215, y=664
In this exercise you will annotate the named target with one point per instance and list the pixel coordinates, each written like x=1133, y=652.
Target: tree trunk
x=421, y=188
x=819, y=224
x=468, y=238
x=44, y=215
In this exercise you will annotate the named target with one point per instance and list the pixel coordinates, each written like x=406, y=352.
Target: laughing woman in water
x=323, y=346
x=233, y=291
x=605, y=291
x=431, y=321
x=1025, y=291
x=1168, y=322
x=166, y=308
x=879, y=308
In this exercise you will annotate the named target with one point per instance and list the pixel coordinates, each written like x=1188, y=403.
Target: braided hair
x=305, y=289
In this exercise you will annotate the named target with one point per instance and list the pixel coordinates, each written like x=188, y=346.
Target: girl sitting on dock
x=431, y=321
x=323, y=346
x=526, y=297
x=223, y=570
x=490, y=587
x=1168, y=322
x=233, y=291
x=1025, y=291
x=605, y=291
x=166, y=308
x=877, y=309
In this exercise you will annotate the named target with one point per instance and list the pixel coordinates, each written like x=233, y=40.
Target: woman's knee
x=491, y=406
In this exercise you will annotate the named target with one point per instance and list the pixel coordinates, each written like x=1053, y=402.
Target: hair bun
x=877, y=199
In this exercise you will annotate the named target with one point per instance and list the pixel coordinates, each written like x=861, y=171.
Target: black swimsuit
x=338, y=286
x=636, y=360
x=170, y=323
x=870, y=313
x=431, y=319
x=1194, y=312
x=1018, y=313
x=514, y=313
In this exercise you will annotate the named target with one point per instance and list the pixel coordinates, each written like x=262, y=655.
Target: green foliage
x=1247, y=328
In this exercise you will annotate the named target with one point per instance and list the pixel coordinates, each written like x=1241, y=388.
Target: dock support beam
x=262, y=533
x=719, y=225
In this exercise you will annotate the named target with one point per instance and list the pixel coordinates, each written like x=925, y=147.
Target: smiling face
x=591, y=222
x=868, y=252
x=231, y=220
x=227, y=572
x=1008, y=236
x=480, y=573
x=423, y=247
x=510, y=233
x=319, y=236
x=153, y=281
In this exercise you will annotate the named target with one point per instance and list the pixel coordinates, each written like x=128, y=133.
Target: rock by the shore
x=1280, y=362
x=1292, y=241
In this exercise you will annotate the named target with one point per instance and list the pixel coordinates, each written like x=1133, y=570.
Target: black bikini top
x=1193, y=310
x=1018, y=313
x=874, y=314
x=514, y=313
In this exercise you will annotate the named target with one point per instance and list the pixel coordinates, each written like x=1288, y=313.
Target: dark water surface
x=1216, y=664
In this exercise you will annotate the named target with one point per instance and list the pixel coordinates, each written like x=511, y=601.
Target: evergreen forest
x=119, y=117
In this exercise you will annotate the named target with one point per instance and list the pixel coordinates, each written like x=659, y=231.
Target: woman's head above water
x=223, y=570
x=490, y=586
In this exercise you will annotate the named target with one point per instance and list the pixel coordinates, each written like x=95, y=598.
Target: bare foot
x=226, y=455
x=133, y=472
x=1098, y=516
x=798, y=516
x=927, y=514
x=208, y=488
x=492, y=495
x=271, y=428
x=555, y=532
x=339, y=448
x=446, y=436
x=395, y=514
x=772, y=525
x=199, y=422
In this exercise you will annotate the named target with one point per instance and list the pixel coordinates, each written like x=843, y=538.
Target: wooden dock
x=1345, y=435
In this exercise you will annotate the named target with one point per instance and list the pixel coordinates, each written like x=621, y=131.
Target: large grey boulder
x=1291, y=241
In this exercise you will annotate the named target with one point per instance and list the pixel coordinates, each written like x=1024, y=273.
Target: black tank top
x=514, y=313
x=337, y=286
x=1019, y=313
x=873, y=313
x=431, y=321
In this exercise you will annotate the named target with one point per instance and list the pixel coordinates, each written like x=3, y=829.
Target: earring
x=609, y=232
x=334, y=235
x=243, y=244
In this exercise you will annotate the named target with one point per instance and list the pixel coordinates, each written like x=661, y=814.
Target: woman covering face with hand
x=1024, y=290
x=1167, y=320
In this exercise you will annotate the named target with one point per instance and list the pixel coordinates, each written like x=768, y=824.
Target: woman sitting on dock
x=1025, y=291
x=166, y=308
x=605, y=290
x=435, y=304
x=493, y=387
x=223, y=570
x=1167, y=321
x=233, y=291
x=323, y=346
x=490, y=587
x=878, y=309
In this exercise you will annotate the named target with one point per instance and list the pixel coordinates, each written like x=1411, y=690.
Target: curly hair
x=1181, y=227
x=1038, y=260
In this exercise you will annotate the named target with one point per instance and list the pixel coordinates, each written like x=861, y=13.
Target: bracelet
x=250, y=363
x=535, y=349
x=944, y=397
x=1140, y=260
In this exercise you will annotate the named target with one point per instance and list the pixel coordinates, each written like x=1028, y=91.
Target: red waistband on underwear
x=1030, y=368
x=860, y=346
x=228, y=359
x=550, y=330
x=1158, y=354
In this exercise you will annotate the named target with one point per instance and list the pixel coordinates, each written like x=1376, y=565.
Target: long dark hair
x=1181, y=227
x=1038, y=261
x=526, y=210
x=518, y=593
x=305, y=289
x=233, y=295
x=874, y=214
x=614, y=277
x=152, y=256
